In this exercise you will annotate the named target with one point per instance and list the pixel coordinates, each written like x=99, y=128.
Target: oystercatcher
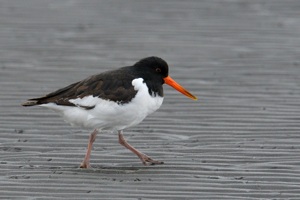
x=113, y=100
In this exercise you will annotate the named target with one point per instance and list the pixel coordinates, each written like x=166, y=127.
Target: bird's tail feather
x=30, y=103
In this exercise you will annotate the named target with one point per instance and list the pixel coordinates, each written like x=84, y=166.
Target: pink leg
x=86, y=161
x=144, y=158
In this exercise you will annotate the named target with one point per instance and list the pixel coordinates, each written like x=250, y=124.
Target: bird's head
x=158, y=69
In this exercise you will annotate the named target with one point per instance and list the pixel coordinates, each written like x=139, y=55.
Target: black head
x=154, y=67
x=153, y=70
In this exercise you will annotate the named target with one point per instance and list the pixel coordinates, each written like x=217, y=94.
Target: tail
x=30, y=102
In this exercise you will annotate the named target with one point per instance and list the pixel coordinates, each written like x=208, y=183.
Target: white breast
x=109, y=114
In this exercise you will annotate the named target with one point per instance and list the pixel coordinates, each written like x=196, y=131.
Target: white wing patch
x=87, y=101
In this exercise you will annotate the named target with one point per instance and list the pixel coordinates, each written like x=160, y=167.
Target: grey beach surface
x=240, y=140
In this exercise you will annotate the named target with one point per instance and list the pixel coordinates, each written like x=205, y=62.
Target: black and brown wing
x=113, y=85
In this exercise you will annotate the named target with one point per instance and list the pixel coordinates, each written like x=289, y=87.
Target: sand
x=241, y=140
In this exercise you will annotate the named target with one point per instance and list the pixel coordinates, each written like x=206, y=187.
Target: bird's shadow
x=115, y=169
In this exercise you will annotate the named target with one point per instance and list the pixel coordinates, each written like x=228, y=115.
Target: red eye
x=158, y=70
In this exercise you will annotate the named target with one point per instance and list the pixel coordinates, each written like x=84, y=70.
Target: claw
x=149, y=161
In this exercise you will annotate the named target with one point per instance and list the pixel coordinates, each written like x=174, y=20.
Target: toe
x=85, y=165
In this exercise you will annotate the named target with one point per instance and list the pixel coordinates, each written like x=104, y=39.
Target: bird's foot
x=86, y=161
x=144, y=158
x=85, y=165
x=149, y=161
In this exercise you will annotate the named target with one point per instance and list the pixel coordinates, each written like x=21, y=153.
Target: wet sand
x=241, y=140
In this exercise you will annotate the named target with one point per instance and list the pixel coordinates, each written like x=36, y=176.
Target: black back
x=113, y=85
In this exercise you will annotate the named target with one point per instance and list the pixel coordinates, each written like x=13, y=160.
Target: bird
x=113, y=100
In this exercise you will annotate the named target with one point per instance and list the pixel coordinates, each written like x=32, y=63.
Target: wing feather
x=113, y=85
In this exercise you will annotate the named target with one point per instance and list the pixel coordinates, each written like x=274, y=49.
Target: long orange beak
x=168, y=80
